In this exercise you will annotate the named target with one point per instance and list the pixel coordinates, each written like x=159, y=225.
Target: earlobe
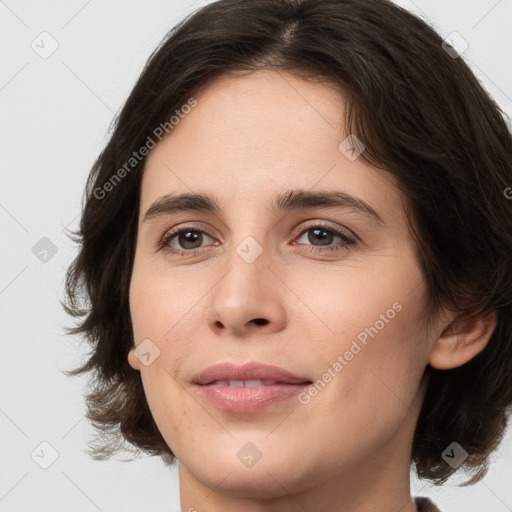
x=462, y=340
x=132, y=360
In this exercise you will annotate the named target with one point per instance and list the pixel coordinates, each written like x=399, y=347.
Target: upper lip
x=248, y=371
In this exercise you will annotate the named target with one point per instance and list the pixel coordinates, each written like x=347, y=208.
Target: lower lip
x=243, y=400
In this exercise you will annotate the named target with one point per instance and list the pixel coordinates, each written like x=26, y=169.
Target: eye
x=321, y=237
x=186, y=240
x=189, y=240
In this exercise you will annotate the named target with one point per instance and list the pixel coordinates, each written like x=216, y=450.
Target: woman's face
x=331, y=293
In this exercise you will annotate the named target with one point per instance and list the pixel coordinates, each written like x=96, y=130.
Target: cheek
x=373, y=349
x=165, y=309
x=162, y=306
x=156, y=313
x=366, y=390
x=382, y=301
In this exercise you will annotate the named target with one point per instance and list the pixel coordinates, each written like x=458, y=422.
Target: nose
x=248, y=298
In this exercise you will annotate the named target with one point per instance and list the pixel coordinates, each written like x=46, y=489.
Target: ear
x=133, y=361
x=461, y=340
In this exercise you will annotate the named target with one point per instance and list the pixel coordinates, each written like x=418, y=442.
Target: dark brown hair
x=423, y=117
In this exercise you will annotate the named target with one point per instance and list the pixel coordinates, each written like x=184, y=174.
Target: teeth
x=252, y=383
x=243, y=383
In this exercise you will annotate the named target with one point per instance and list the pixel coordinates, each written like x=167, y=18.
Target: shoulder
x=424, y=504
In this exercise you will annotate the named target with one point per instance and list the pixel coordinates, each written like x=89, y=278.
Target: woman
x=296, y=252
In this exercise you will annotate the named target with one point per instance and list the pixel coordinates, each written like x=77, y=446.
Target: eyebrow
x=287, y=201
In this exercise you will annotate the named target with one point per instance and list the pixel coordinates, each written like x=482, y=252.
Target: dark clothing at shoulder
x=424, y=504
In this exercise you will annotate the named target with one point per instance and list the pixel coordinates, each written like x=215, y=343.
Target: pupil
x=189, y=237
x=325, y=238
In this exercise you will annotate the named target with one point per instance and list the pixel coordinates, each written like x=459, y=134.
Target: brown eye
x=323, y=236
x=185, y=240
x=188, y=239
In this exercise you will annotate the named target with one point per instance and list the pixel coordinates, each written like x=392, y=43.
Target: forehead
x=264, y=95
x=262, y=115
x=265, y=130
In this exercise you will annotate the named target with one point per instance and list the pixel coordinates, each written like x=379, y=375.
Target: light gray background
x=54, y=117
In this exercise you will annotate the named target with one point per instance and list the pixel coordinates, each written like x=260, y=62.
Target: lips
x=249, y=388
x=251, y=383
x=250, y=374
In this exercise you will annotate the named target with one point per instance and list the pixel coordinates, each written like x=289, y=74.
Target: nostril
x=260, y=321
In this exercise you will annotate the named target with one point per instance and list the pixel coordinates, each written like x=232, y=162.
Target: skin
x=348, y=448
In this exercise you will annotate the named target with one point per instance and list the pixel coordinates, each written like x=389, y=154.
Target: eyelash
x=163, y=243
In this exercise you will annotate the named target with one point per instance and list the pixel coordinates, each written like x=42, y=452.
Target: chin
x=265, y=479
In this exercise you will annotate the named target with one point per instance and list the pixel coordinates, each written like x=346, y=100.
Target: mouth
x=251, y=374
x=248, y=388
x=252, y=383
